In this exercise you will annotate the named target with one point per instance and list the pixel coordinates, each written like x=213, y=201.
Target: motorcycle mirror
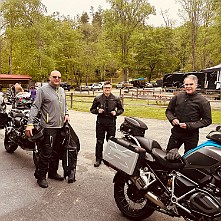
x=218, y=128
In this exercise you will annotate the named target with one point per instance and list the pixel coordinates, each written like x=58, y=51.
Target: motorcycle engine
x=203, y=203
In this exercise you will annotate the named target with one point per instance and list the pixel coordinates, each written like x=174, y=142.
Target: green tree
x=155, y=52
x=198, y=17
x=124, y=18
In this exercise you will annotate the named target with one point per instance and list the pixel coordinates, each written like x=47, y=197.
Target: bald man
x=50, y=102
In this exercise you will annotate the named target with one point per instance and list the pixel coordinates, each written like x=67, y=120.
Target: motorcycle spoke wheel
x=10, y=147
x=130, y=200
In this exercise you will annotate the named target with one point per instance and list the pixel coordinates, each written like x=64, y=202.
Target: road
x=90, y=198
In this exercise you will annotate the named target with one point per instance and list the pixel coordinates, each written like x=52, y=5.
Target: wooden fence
x=157, y=95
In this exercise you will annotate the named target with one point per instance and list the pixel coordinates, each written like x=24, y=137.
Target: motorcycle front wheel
x=10, y=147
x=130, y=200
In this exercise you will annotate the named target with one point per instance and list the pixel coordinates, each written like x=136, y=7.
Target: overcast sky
x=74, y=7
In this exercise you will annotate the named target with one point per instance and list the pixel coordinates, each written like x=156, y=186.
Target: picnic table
x=162, y=98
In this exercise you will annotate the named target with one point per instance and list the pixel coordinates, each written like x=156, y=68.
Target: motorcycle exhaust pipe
x=155, y=200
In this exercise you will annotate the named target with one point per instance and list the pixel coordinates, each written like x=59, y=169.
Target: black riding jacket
x=110, y=103
x=192, y=109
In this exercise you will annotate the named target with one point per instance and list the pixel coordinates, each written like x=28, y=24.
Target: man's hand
x=100, y=110
x=67, y=118
x=113, y=113
x=175, y=122
x=183, y=125
x=173, y=154
x=28, y=130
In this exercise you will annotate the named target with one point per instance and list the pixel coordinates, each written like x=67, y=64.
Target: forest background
x=111, y=44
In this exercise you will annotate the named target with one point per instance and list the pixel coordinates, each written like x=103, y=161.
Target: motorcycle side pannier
x=123, y=155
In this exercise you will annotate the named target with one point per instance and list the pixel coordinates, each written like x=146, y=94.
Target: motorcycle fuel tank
x=202, y=161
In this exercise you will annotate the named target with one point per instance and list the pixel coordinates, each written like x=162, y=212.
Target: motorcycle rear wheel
x=130, y=200
x=10, y=147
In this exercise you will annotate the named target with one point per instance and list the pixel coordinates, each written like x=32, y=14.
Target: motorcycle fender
x=119, y=174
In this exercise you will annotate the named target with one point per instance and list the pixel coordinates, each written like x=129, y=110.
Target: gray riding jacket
x=50, y=102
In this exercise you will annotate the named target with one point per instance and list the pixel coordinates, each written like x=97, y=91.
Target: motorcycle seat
x=148, y=144
x=17, y=114
x=160, y=156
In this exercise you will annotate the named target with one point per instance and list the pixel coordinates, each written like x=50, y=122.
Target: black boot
x=42, y=183
x=98, y=153
x=71, y=176
x=97, y=163
x=55, y=176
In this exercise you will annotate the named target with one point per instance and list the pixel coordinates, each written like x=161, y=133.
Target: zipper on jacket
x=60, y=105
x=47, y=118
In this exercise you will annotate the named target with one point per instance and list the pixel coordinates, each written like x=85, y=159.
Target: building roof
x=212, y=69
x=14, y=77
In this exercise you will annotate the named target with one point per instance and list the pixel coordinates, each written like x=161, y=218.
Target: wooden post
x=71, y=99
x=122, y=99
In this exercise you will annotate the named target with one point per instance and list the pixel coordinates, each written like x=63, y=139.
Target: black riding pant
x=181, y=136
x=50, y=151
x=104, y=126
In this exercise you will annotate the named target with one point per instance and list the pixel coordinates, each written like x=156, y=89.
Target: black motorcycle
x=9, y=97
x=3, y=114
x=15, y=124
x=146, y=181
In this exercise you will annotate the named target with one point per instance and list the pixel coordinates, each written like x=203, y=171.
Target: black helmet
x=37, y=134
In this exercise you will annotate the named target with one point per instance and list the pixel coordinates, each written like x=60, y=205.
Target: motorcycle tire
x=10, y=147
x=130, y=200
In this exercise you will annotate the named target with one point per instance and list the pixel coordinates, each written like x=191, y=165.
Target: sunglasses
x=107, y=87
x=56, y=77
x=191, y=84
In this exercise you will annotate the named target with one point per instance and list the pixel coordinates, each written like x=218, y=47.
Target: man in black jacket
x=187, y=112
x=107, y=107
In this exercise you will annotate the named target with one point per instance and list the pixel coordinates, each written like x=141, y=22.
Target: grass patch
x=134, y=108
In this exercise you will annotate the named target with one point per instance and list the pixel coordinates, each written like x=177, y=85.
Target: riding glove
x=173, y=154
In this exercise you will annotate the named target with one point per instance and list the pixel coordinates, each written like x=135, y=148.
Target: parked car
x=81, y=88
x=102, y=83
x=148, y=84
x=119, y=85
x=66, y=86
x=124, y=84
x=95, y=86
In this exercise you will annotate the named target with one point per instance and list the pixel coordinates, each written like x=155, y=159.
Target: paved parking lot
x=90, y=198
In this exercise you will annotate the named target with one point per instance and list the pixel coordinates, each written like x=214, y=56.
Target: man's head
x=190, y=83
x=107, y=88
x=55, y=78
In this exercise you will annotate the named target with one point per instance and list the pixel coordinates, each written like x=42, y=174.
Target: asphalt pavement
x=90, y=198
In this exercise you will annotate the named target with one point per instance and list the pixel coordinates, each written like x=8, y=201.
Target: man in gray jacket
x=50, y=103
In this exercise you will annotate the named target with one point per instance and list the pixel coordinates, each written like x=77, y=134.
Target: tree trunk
x=10, y=60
